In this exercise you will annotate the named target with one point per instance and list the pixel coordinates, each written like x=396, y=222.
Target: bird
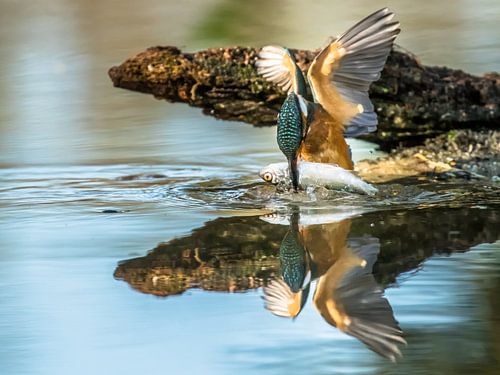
x=287, y=295
x=333, y=103
x=346, y=294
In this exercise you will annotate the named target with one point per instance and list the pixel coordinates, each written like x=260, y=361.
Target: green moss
x=451, y=135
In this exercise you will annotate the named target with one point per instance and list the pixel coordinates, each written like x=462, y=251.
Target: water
x=110, y=198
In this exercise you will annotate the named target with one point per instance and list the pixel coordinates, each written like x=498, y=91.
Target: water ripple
x=130, y=187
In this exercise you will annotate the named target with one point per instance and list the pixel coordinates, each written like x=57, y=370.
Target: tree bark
x=413, y=101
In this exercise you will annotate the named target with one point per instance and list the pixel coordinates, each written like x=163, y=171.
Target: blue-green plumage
x=290, y=133
x=293, y=261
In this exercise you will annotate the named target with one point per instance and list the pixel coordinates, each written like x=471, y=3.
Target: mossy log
x=464, y=154
x=413, y=101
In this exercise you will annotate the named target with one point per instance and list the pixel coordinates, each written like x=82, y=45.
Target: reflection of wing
x=349, y=298
x=367, y=249
x=369, y=316
x=281, y=301
x=342, y=72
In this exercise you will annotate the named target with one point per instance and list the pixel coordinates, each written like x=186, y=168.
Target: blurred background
x=58, y=105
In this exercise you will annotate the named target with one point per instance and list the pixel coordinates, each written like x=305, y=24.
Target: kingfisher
x=294, y=258
x=333, y=102
x=286, y=296
x=346, y=294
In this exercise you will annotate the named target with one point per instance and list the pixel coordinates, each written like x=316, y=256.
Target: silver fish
x=317, y=174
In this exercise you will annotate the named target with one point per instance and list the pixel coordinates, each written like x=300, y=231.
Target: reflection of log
x=227, y=254
x=413, y=101
x=237, y=254
x=408, y=237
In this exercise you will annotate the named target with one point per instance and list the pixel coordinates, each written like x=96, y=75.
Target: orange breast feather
x=325, y=143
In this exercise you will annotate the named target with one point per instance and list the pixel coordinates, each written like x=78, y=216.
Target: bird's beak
x=294, y=174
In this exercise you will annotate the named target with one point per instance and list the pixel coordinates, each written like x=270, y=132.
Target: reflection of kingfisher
x=289, y=294
x=346, y=295
x=293, y=259
x=313, y=128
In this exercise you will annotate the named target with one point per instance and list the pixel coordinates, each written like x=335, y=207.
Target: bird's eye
x=268, y=177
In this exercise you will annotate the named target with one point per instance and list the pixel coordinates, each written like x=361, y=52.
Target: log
x=413, y=101
x=463, y=154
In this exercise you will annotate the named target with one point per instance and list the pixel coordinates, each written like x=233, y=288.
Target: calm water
x=110, y=199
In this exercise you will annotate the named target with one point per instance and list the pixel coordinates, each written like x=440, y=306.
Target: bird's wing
x=281, y=301
x=349, y=298
x=369, y=316
x=341, y=74
x=277, y=65
x=367, y=249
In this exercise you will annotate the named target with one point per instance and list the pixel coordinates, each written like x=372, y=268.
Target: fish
x=312, y=174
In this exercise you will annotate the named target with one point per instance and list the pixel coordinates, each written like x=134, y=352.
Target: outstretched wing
x=277, y=65
x=369, y=316
x=348, y=297
x=342, y=72
x=281, y=301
